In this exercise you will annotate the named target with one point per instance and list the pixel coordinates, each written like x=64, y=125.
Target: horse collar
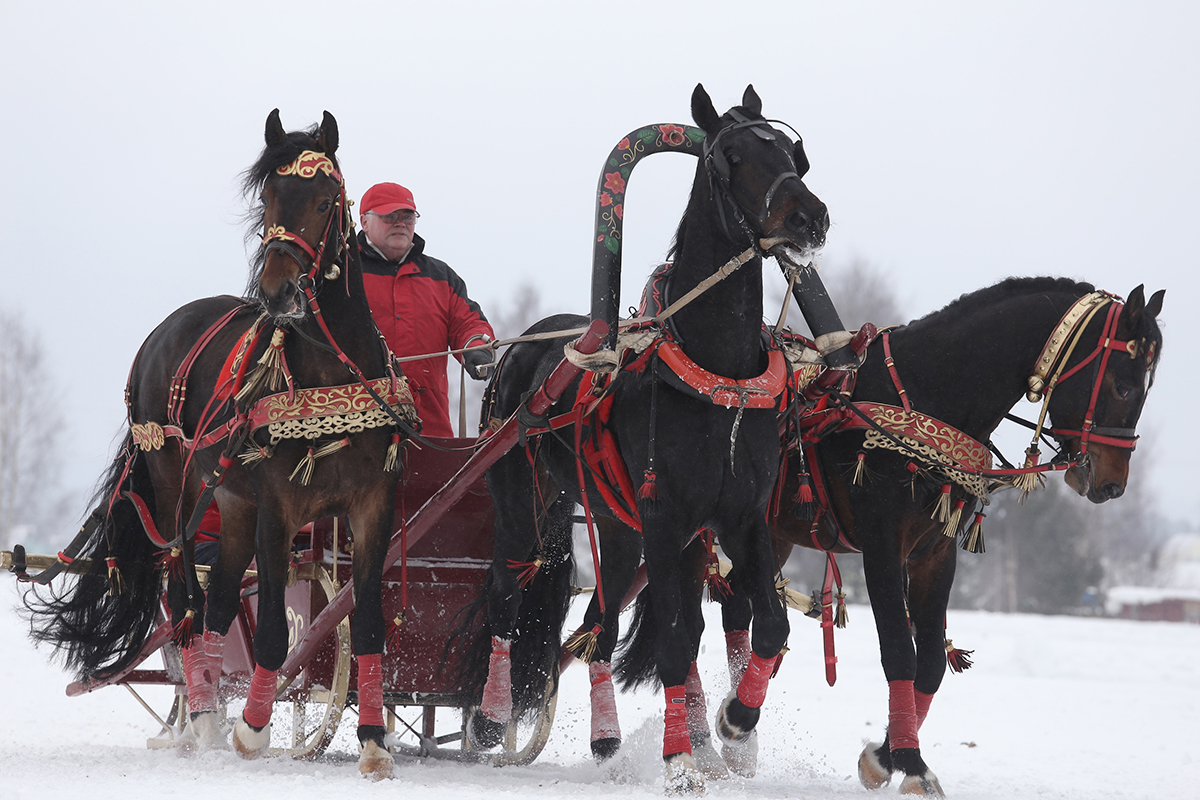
x=761, y=391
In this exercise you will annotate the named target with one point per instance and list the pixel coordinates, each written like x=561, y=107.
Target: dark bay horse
x=963, y=367
x=700, y=463
x=315, y=447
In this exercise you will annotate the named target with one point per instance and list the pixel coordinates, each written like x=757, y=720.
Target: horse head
x=1115, y=397
x=755, y=173
x=303, y=216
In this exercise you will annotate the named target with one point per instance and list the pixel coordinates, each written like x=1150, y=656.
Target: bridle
x=1050, y=371
x=278, y=238
x=716, y=165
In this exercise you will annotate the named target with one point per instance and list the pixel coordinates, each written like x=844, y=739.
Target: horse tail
x=636, y=665
x=97, y=628
x=545, y=601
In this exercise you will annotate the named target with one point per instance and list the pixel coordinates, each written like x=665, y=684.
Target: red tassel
x=184, y=631
x=649, y=490
x=802, y=504
x=529, y=570
x=393, y=631
x=171, y=563
x=958, y=660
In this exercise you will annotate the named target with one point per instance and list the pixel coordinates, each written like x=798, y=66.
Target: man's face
x=391, y=233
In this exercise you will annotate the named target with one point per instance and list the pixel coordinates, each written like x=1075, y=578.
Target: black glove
x=479, y=362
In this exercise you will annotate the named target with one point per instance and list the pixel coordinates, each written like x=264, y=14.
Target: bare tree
x=30, y=498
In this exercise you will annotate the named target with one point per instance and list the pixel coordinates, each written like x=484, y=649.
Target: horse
x=903, y=497
x=703, y=462
x=311, y=431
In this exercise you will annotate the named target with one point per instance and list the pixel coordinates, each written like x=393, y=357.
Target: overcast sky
x=955, y=144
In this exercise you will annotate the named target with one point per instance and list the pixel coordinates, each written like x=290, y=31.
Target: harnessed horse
x=707, y=455
x=901, y=469
x=312, y=431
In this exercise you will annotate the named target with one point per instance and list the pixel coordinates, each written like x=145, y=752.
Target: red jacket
x=421, y=306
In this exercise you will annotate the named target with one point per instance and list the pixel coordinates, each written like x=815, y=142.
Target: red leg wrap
x=260, y=698
x=202, y=668
x=497, y=692
x=737, y=653
x=370, y=690
x=604, y=702
x=902, y=715
x=752, y=690
x=697, y=710
x=922, y=703
x=675, y=732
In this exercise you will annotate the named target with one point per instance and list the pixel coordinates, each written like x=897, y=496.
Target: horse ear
x=702, y=109
x=1131, y=315
x=328, y=134
x=751, y=102
x=1154, y=306
x=275, y=133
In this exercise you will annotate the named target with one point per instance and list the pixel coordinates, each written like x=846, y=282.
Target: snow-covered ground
x=1055, y=707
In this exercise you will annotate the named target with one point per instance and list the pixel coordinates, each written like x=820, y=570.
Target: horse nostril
x=1113, y=490
x=797, y=221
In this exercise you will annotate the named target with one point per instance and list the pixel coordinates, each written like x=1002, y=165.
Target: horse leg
x=204, y=659
x=252, y=733
x=695, y=559
x=510, y=481
x=736, y=614
x=739, y=713
x=622, y=552
x=371, y=523
x=884, y=571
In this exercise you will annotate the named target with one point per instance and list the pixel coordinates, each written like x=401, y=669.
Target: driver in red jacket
x=419, y=303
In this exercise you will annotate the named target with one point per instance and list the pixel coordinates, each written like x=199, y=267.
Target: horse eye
x=325, y=206
x=1123, y=390
x=734, y=159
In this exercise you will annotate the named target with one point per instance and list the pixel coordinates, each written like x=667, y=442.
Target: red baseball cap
x=384, y=198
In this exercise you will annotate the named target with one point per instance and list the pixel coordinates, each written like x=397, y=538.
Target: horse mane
x=971, y=302
x=253, y=180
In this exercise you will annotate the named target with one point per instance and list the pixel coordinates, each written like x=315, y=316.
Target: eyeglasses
x=407, y=217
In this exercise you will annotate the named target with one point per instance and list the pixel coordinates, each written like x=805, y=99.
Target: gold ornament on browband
x=307, y=164
x=1073, y=322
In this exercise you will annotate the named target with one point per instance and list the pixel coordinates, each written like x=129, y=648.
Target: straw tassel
x=802, y=504
x=583, y=644
x=941, y=512
x=952, y=523
x=307, y=464
x=254, y=454
x=958, y=660
x=391, y=462
x=116, y=583
x=649, y=489
x=973, y=543
x=1029, y=481
x=860, y=469
x=842, y=616
x=271, y=374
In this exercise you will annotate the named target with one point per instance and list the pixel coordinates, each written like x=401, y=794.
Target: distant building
x=1176, y=598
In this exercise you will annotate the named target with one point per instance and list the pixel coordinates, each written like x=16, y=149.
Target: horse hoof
x=925, y=785
x=484, y=732
x=742, y=757
x=682, y=775
x=871, y=772
x=375, y=762
x=604, y=749
x=207, y=732
x=710, y=764
x=250, y=742
x=735, y=721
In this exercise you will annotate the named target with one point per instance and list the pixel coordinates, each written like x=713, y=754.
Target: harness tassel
x=583, y=644
x=973, y=543
x=392, y=640
x=184, y=630
x=254, y=454
x=529, y=569
x=952, y=523
x=649, y=490
x=116, y=583
x=1029, y=481
x=716, y=583
x=958, y=660
x=307, y=464
x=860, y=469
x=842, y=616
x=802, y=504
x=391, y=461
x=171, y=562
x=271, y=374
x=941, y=512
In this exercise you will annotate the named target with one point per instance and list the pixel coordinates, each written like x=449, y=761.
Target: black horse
x=1089, y=358
x=702, y=463
x=199, y=416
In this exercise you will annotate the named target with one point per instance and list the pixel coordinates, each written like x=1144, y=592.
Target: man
x=419, y=303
